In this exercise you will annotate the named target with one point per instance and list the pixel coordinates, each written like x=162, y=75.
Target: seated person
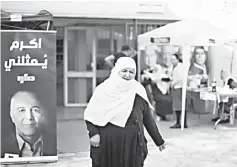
x=227, y=102
x=159, y=81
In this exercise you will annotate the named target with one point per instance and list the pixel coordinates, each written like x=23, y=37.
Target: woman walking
x=115, y=117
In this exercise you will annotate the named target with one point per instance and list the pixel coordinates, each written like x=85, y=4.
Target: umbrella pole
x=186, y=62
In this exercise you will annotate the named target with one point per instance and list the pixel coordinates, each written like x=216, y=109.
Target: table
x=219, y=95
x=224, y=115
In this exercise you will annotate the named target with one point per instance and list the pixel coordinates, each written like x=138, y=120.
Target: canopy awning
x=194, y=32
x=41, y=21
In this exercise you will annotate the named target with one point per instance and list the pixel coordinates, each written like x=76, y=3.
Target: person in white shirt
x=177, y=83
x=226, y=103
x=225, y=76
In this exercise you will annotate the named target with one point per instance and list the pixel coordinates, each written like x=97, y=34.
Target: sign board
x=212, y=41
x=160, y=40
x=28, y=96
x=151, y=8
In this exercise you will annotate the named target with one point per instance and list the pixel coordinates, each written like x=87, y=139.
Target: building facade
x=87, y=32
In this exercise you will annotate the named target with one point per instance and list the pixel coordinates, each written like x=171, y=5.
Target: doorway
x=79, y=65
x=85, y=49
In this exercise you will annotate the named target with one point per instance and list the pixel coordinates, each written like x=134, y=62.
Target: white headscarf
x=113, y=100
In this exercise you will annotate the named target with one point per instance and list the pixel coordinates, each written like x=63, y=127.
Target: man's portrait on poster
x=29, y=136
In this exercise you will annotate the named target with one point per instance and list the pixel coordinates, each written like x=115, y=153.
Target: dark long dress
x=163, y=102
x=125, y=147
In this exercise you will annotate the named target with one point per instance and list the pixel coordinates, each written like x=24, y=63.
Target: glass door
x=109, y=40
x=79, y=65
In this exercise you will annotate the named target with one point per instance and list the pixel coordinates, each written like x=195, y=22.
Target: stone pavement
x=207, y=149
x=195, y=147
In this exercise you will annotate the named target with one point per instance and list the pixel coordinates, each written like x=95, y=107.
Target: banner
x=199, y=77
x=28, y=96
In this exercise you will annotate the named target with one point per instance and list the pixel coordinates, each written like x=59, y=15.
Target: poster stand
x=42, y=22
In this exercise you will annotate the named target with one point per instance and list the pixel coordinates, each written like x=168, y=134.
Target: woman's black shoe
x=176, y=126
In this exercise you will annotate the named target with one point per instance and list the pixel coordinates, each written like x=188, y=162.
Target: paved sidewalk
x=196, y=147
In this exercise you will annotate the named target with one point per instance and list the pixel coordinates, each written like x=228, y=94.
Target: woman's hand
x=95, y=140
x=165, y=145
x=162, y=147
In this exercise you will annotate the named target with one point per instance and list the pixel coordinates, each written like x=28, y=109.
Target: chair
x=224, y=115
x=233, y=112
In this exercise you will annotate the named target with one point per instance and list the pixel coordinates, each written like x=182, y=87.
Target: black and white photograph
x=96, y=83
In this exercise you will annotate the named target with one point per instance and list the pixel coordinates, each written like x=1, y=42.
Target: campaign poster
x=28, y=96
x=200, y=78
x=154, y=54
x=198, y=73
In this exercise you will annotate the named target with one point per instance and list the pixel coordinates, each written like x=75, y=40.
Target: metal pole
x=48, y=25
x=185, y=54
